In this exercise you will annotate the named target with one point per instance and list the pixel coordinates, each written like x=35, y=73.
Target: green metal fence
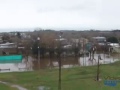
x=11, y=58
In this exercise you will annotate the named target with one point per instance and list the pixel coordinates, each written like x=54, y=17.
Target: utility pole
x=38, y=52
x=83, y=52
x=98, y=68
x=59, y=57
x=59, y=87
x=105, y=44
x=27, y=57
x=39, y=56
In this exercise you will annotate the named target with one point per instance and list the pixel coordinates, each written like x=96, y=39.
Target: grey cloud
x=72, y=8
x=52, y=9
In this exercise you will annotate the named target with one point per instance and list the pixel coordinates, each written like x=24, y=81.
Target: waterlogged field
x=77, y=78
x=47, y=63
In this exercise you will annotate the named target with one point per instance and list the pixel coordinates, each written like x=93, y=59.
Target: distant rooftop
x=99, y=38
x=60, y=39
x=8, y=45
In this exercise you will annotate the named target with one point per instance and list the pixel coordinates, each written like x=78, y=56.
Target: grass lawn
x=5, y=87
x=77, y=78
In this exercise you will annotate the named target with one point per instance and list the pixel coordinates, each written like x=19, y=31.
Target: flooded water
x=105, y=59
x=66, y=62
x=20, y=66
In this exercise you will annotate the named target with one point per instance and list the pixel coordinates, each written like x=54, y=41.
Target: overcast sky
x=60, y=14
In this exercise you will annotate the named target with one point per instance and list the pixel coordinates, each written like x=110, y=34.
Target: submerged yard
x=77, y=78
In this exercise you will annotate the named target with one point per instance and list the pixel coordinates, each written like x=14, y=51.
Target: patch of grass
x=77, y=78
x=5, y=87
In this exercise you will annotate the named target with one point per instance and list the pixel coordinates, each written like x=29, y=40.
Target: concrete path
x=12, y=85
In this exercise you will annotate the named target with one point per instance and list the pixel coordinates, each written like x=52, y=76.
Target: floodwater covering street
x=66, y=62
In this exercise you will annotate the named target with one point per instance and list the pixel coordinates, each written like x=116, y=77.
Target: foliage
x=59, y=51
x=51, y=51
x=112, y=40
x=35, y=48
x=76, y=50
x=5, y=38
x=19, y=35
x=42, y=49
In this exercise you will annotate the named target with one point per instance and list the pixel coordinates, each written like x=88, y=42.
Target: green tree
x=5, y=38
x=35, y=48
x=19, y=35
x=112, y=40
